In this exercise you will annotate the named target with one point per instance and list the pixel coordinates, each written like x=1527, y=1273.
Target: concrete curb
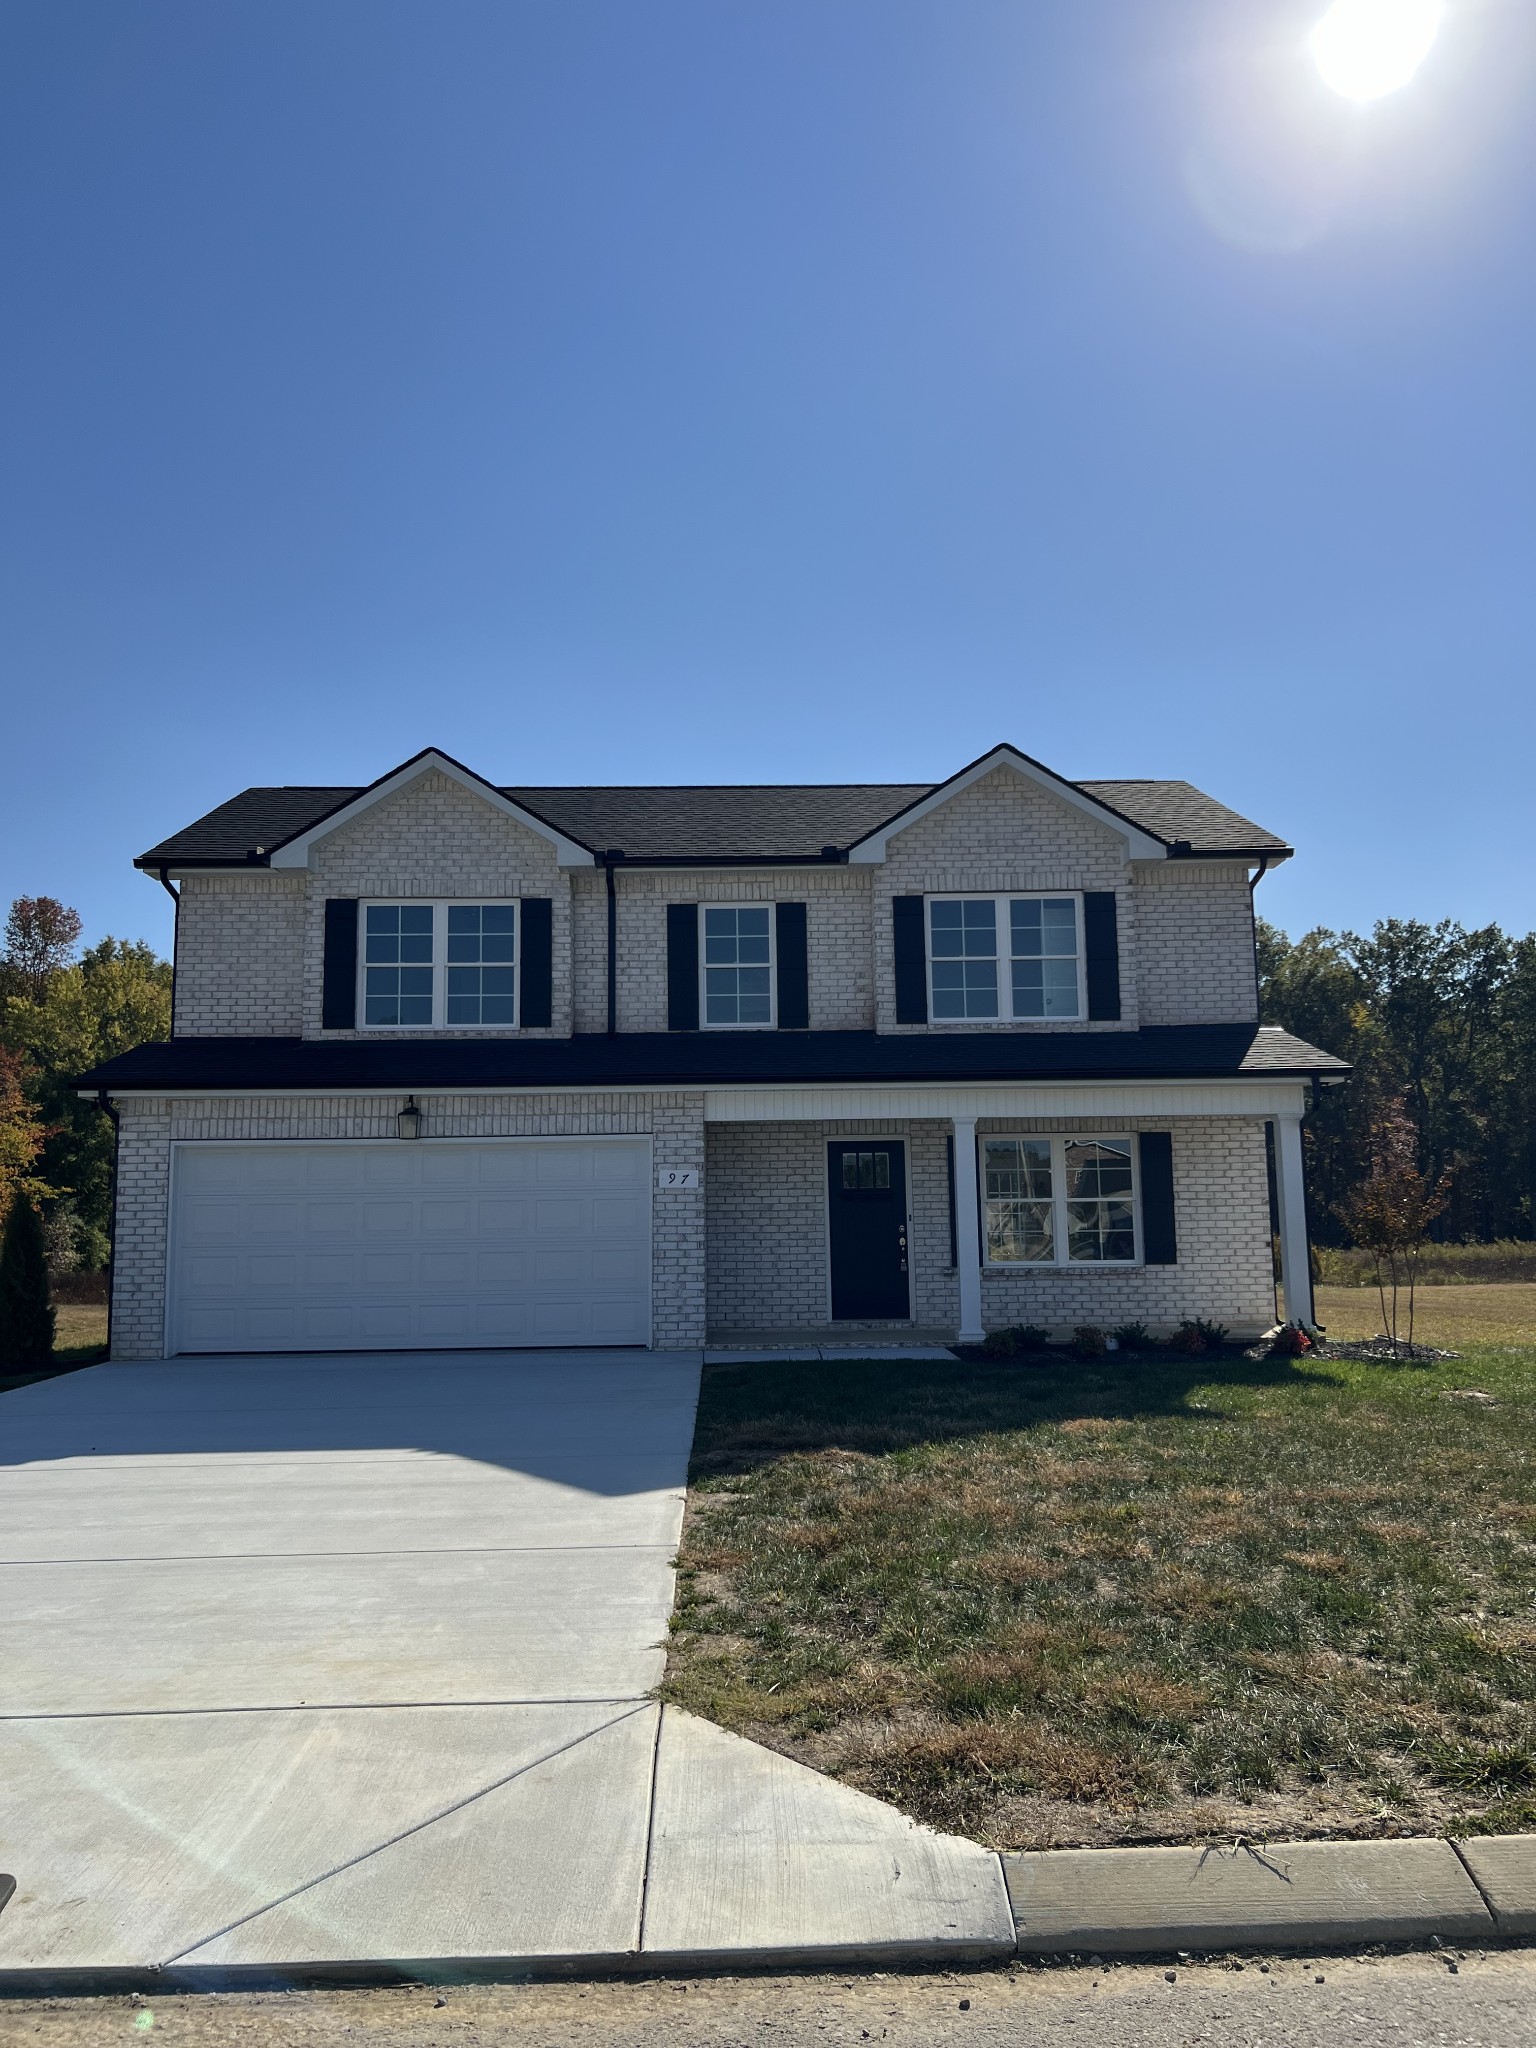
x=1271, y=1897
x=1279, y=1895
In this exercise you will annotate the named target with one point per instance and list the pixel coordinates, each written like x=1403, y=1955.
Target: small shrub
x=1133, y=1336
x=1195, y=1336
x=26, y=1315
x=1016, y=1340
x=1291, y=1342
x=1088, y=1342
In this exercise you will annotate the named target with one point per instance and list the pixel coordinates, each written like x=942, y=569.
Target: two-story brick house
x=459, y=1065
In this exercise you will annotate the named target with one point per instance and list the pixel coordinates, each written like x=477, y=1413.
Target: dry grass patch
x=1126, y=1600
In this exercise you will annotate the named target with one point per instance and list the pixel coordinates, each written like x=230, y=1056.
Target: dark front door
x=867, y=1202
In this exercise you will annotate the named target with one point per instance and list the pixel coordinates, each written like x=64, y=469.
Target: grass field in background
x=1440, y=1265
x=1446, y=1317
x=1140, y=1599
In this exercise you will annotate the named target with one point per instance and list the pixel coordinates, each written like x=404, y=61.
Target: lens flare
x=1365, y=48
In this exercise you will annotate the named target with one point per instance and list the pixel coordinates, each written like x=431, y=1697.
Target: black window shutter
x=536, y=979
x=794, y=967
x=911, y=960
x=1101, y=954
x=338, y=1000
x=1159, y=1240
x=682, y=967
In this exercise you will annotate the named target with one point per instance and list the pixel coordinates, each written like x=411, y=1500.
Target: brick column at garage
x=139, y=1230
x=677, y=1227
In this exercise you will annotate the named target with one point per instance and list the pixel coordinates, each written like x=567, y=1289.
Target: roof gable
x=296, y=850
x=1140, y=845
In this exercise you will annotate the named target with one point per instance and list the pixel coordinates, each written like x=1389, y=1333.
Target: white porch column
x=967, y=1230
x=1291, y=1186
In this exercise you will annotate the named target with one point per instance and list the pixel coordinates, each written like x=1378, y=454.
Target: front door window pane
x=397, y=964
x=1020, y=1217
x=1044, y=935
x=736, y=966
x=866, y=1172
x=482, y=939
x=962, y=940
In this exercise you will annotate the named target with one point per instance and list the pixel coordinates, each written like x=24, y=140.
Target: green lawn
x=1136, y=1600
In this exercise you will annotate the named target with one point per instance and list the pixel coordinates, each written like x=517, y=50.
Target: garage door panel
x=381, y=1167
x=207, y=1329
x=445, y=1219
x=443, y=1270
x=558, y=1218
x=504, y=1271
x=388, y=1219
x=297, y=1245
x=274, y=1269
x=330, y=1270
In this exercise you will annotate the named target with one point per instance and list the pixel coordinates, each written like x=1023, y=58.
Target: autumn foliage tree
x=1389, y=1212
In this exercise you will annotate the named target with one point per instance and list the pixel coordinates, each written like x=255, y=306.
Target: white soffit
x=871, y=850
x=297, y=852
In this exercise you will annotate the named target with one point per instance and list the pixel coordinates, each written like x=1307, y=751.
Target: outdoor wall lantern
x=408, y=1122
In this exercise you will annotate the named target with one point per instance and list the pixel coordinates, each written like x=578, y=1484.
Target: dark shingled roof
x=773, y=821
x=670, y=1059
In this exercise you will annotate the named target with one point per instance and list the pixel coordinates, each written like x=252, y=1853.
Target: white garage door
x=299, y=1247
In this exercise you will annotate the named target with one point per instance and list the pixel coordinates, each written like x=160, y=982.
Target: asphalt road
x=1365, y=2002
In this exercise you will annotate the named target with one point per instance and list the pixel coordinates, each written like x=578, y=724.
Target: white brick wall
x=250, y=945
x=836, y=903
x=1194, y=943
x=436, y=838
x=1004, y=832
x=148, y=1129
x=240, y=955
x=767, y=1233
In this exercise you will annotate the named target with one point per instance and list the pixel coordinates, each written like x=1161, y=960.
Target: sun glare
x=1365, y=48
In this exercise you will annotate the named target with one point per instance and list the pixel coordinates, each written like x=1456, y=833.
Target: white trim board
x=792, y=1102
x=298, y=851
x=1139, y=845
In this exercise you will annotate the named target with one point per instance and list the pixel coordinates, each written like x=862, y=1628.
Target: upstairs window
x=482, y=987
x=737, y=965
x=1005, y=959
x=427, y=966
x=398, y=964
x=1059, y=1201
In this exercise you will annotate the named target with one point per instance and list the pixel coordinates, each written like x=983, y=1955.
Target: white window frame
x=1000, y=900
x=439, y=906
x=1058, y=1142
x=773, y=969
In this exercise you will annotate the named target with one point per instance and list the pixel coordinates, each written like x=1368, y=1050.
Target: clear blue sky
x=772, y=390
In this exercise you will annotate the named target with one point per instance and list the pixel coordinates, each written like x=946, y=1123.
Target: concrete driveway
x=317, y=1662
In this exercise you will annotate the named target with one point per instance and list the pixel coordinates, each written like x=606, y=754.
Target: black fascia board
x=701, y=1060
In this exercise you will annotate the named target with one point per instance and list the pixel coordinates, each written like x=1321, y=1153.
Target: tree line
x=1439, y=1019
x=63, y=1011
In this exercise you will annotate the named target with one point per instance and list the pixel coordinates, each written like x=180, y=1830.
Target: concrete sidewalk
x=345, y=1665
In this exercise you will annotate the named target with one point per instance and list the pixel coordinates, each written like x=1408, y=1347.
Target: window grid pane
x=1020, y=1215
x=478, y=991
x=737, y=966
x=1044, y=942
x=1062, y=1201
x=963, y=947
